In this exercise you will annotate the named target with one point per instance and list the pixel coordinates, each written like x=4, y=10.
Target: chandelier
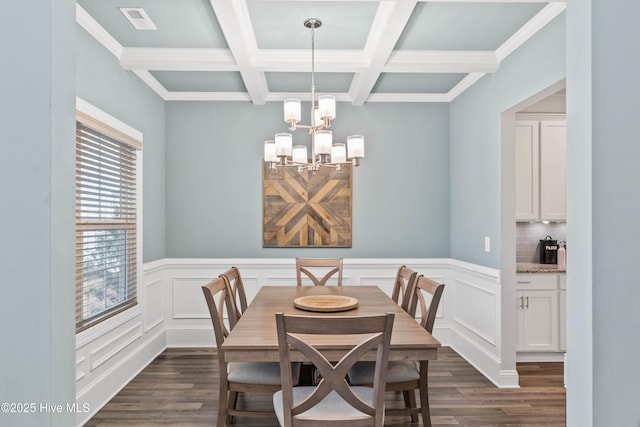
x=324, y=153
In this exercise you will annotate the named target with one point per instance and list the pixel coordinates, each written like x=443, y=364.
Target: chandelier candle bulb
x=316, y=119
x=327, y=106
x=338, y=153
x=324, y=139
x=299, y=154
x=284, y=141
x=355, y=146
x=292, y=110
x=270, y=151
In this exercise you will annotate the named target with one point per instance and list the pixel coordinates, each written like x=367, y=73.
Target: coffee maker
x=548, y=251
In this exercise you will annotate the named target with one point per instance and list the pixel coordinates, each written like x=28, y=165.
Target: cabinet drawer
x=537, y=281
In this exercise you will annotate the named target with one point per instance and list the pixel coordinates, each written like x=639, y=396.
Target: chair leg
x=233, y=401
x=424, y=393
x=410, y=403
x=222, y=405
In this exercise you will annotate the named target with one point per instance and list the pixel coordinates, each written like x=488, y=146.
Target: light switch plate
x=487, y=244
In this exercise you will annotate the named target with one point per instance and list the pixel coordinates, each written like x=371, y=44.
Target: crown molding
x=154, y=84
x=464, y=84
x=535, y=24
x=96, y=30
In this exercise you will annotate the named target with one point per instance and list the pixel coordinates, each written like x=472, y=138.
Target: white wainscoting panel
x=188, y=299
x=476, y=329
x=112, y=353
x=153, y=303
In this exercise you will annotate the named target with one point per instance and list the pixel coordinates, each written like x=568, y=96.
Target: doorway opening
x=547, y=105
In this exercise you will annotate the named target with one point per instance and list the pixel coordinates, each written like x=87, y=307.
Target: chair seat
x=398, y=371
x=259, y=372
x=331, y=408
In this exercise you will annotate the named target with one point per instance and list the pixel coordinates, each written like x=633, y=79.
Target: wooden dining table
x=254, y=338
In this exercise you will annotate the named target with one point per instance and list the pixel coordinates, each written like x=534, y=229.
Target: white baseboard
x=539, y=357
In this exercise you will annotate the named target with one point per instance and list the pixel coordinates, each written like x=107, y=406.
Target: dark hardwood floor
x=180, y=388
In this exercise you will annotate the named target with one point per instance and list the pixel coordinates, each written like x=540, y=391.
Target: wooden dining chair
x=333, y=402
x=237, y=294
x=406, y=375
x=403, y=286
x=238, y=377
x=322, y=264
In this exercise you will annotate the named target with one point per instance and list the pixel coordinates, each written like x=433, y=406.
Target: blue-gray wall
x=214, y=179
x=120, y=93
x=579, y=366
x=616, y=212
x=476, y=140
x=37, y=263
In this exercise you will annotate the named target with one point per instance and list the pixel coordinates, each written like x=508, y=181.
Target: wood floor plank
x=179, y=388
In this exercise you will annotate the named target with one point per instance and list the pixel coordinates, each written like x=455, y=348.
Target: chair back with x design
x=333, y=401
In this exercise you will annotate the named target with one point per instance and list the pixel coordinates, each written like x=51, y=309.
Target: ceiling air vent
x=138, y=18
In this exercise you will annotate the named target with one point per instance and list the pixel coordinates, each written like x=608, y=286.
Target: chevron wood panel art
x=306, y=209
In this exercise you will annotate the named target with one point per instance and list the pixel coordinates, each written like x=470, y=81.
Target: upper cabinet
x=540, y=164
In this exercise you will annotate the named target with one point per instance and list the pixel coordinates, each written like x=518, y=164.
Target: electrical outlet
x=487, y=244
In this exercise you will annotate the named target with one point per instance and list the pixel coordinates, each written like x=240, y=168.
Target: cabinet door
x=563, y=319
x=527, y=170
x=540, y=321
x=553, y=166
x=520, y=320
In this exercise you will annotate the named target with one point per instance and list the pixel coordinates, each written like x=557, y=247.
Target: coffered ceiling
x=365, y=51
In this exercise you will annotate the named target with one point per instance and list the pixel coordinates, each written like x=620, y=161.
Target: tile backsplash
x=528, y=236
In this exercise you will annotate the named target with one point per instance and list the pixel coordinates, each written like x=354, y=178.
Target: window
x=106, y=222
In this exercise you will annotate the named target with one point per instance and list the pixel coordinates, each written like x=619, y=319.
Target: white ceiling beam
x=414, y=61
x=208, y=96
x=234, y=20
x=388, y=24
x=184, y=59
x=299, y=60
x=408, y=97
x=306, y=96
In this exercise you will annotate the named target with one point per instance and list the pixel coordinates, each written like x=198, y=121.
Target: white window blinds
x=106, y=221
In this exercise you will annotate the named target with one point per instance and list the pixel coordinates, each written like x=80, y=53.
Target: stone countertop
x=532, y=267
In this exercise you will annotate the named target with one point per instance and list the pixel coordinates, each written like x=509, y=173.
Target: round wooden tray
x=325, y=303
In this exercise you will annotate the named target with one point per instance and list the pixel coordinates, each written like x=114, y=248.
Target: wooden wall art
x=306, y=209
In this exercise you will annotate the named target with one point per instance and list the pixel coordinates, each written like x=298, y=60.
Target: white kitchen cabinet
x=553, y=170
x=538, y=323
x=540, y=166
x=527, y=170
x=541, y=318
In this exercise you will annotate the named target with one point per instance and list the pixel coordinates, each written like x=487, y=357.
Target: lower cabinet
x=540, y=312
x=538, y=323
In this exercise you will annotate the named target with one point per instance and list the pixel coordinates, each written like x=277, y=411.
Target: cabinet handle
x=523, y=281
x=527, y=302
x=522, y=302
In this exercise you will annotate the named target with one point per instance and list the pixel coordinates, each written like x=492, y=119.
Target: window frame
x=96, y=119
